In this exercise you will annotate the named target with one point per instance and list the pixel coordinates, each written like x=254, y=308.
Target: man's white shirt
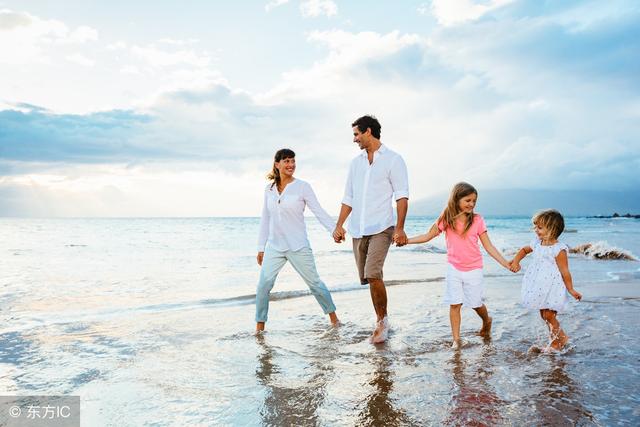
x=282, y=223
x=371, y=188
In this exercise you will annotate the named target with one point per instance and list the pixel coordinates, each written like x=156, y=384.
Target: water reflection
x=297, y=405
x=474, y=402
x=379, y=408
x=559, y=402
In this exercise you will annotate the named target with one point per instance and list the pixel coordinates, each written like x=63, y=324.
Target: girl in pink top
x=462, y=229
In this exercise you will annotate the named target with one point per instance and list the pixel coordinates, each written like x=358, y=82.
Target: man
x=376, y=177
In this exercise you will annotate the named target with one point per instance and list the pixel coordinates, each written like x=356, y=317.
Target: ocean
x=150, y=322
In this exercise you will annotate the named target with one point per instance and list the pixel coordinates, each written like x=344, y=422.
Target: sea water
x=150, y=321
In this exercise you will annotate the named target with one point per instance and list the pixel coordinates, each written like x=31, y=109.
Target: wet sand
x=306, y=373
x=204, y=365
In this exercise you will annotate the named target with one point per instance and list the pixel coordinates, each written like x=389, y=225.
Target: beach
x=151, y=322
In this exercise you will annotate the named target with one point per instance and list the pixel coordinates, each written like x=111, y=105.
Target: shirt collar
x=380, y=150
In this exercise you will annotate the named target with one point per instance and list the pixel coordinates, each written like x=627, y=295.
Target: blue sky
x=176, y=108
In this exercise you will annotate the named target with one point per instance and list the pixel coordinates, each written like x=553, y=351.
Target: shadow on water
x=559, y=399
x=293, y=405
x=379, y=408
x=474, y=401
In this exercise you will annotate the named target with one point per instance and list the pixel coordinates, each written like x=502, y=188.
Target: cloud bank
x=502, y=94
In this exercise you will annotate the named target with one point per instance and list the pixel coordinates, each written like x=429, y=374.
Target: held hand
x=259, y=257
x=339, y=234
x=577, y=295
x=514, y=267
x=400, y=237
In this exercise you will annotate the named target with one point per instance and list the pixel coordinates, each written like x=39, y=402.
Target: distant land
x=526, y=202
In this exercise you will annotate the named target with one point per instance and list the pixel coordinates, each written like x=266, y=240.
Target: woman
x=283, y=235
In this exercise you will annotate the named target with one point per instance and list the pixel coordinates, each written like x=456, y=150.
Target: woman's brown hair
x=274, y=175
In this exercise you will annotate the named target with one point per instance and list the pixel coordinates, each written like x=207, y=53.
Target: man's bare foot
x=259, y=326
x=485, y=331
x=381, y=332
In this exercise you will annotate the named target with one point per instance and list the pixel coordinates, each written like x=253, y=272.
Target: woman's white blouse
x=282, y=223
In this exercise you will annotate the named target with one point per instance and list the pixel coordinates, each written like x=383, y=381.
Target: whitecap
x=603, y=250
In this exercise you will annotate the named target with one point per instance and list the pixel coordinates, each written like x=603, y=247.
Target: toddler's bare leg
x=557, y=336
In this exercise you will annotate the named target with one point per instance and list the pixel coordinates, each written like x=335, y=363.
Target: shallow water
x=150, y=322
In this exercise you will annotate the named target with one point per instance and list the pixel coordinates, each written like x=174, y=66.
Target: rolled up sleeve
x=348, y=188
x=399, y=179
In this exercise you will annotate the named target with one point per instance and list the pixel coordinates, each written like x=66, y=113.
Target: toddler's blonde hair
x=552, y=220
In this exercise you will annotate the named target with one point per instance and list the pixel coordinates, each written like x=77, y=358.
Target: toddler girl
x=547, y=279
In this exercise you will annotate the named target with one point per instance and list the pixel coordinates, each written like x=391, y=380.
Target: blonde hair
x=550, y=219
x=452, y=211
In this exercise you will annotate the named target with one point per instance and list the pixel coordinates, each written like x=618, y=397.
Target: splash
x=602, y=250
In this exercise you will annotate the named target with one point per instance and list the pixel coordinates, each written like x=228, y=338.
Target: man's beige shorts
x=370, y=252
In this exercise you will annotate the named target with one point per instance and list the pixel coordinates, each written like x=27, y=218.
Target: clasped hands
x=399, y=236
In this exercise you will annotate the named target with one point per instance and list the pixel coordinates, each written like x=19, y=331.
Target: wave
x=597, y=251
x=624, y=275
x=602, y=250
x=428, y=249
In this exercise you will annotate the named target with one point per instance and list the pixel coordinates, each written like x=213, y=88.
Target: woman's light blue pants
x=303, y=262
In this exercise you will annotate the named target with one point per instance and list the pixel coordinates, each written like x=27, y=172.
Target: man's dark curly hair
x=368, y=122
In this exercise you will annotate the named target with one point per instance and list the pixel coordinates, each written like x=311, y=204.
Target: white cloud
x=120, y=45
x=128, y=191
x=519, y=101
x=314, y=8
x=27, y=39
x=164, y=58
x=81, y=34
x=131, y=69
x=346, y=52
x=453, y=12
x=10, y=20
x=80, y=59
x=274, y=3
x=176, y=42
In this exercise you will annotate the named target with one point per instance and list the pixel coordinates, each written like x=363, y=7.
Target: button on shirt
x=282, y=224
x=371, y=188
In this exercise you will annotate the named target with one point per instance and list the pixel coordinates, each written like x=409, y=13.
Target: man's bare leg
x=485, y=331
x=379, y=300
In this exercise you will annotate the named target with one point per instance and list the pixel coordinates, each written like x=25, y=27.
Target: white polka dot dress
x=542, y=285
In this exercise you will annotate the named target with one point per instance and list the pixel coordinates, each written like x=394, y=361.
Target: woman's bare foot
x=485, y=331
x=456, y=345
x=333, y=318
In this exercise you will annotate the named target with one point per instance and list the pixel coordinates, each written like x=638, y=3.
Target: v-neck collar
x=285, y=188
